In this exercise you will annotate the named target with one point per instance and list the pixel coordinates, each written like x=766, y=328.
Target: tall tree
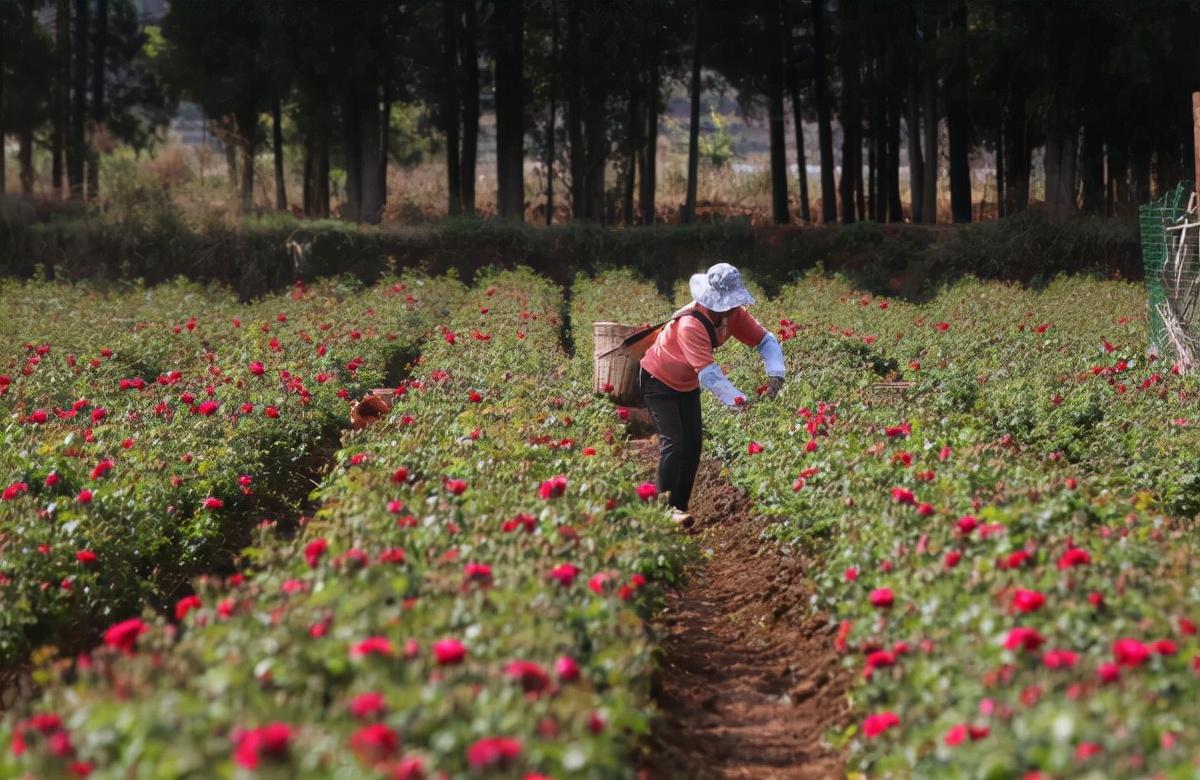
x=693, y=163
x=824, y=111
x=958, y=121
x=551, y=122
x=916, y=162
x=797, y=61
x=470, y=104
x=451, y=105
x=5, y=24
x=779, y=184
x=510, y=115
x=216, y=56
x=575, y=107
x=60, y=93
x=77, y=150
x=850, y=187
x=99, y=66
x=281, y=202
x=649, y=157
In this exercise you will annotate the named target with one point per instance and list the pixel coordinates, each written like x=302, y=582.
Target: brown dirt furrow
x=749, y=681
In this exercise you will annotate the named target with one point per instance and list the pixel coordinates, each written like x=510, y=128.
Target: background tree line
x=1101, y=87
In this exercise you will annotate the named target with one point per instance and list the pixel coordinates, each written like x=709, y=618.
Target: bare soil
x=750, y=681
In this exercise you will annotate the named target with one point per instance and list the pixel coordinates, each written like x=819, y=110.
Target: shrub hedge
x=267, y=253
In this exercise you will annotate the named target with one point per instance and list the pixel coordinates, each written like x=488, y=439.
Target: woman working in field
x=681, y=361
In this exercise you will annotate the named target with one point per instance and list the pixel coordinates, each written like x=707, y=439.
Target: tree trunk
x=1000, y=191
x=450, y=105
x=60, y=90
x=597, y=157
x=578, y=154
x=1118, y=177
x=779, y=184
x=231, y=164
x=281, y=203
x=1093, y=170
x=851, y=113
x=3, y=161
x=1168, y=167
x=1019, y=153
x=322, y=182
x=25, y=160
x=1060, y=173
x=929, y=199
x=470, y=106
x=649, y=180
x=351, y=119
x=1141, y=174
x=824, y=122
x=98, y=110
x=693, y=164
x=308, y=193
x=872, y=164
x=633, y=151
x=958, y=121
x=550, y=124
x=916, y=164
x=895, y=206
x=385, y=130
x=78, y=147
x=510, y=112
x=371, y=130
x=793, y=78
x=874, y=136
x=247, y=122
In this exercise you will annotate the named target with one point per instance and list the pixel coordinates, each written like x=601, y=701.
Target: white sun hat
x=720, y=288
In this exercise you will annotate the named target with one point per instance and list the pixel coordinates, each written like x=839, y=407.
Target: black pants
x=677, y=419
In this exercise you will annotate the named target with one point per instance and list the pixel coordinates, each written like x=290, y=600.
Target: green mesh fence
x=1154, y=218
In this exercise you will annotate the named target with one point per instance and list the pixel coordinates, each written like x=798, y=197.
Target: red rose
x=1027, y=600
x=882, y=598
x=374, y=743
x=373, y=645
x=564, y=573
x=493, y=752
x=270, y=742
x=449, y=651
x=553, y=487
x=1075, y=556
x=1130, y=652
x=532, y=677
x=367, y=705
x=1022, y=638
x=876, y=724
x=314, y=550
x=566, y=668
x=124, y=635
x=186, y=605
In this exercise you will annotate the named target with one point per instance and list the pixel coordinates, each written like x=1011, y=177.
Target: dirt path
x=749, y=682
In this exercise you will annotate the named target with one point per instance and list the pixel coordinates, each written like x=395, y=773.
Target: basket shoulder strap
x=708, y=326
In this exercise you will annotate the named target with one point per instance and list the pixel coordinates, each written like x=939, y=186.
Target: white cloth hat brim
x=710, y=299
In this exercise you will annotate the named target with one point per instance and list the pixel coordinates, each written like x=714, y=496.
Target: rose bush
x=422, y=620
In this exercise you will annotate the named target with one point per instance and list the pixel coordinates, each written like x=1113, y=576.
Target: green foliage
x=279, y=646
x=716, y=146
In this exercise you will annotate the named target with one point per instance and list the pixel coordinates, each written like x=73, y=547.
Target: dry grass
x=195, y=181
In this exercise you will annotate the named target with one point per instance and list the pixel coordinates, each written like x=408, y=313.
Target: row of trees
x=1100, y=85
x=76, y=77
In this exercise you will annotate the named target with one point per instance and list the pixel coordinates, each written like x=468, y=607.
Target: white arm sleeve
x=715, y=380
x=772, y=355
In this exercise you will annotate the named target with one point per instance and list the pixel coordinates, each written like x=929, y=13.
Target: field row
x=468, y=595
